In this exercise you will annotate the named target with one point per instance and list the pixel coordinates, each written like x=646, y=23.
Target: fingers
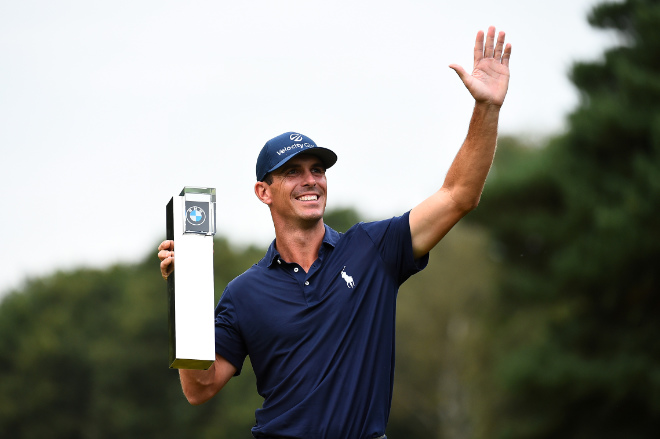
x=167, y=266
x=490, y=43
x=478, y=47
x=166, y=256
x=489, y=48
x=166, y=245
x=499, y=46
x=165, y=249
x=506, y=55
x=166, y=262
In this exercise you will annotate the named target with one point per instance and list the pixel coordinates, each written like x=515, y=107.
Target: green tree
x=575, y=227
x=341, y=219
x=83, y=354
x=441, y=382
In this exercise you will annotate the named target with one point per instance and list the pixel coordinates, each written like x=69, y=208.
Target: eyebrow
x=285, y=167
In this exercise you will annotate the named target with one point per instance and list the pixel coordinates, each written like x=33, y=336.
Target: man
x=316, y=314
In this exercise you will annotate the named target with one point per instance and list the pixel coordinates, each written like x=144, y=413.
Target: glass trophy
x=199, y=206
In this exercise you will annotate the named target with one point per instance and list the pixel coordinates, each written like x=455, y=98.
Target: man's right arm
x=198, y=385
x=201, y=385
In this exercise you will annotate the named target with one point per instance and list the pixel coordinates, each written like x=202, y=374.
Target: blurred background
x=538, y=314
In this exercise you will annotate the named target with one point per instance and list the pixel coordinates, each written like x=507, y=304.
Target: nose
x=309, y=179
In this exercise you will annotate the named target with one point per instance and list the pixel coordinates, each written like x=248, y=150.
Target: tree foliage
x=575, y=226
x=83, y=354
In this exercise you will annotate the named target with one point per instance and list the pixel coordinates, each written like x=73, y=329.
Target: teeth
x=308, y=198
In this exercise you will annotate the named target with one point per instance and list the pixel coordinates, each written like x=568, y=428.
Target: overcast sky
x=108, y=108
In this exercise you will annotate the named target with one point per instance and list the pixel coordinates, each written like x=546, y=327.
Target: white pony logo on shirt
x=347, y=278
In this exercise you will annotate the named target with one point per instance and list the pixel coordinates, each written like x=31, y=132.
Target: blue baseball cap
x=279, y=150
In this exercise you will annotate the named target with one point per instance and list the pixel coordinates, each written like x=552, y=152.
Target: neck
x=300, y=245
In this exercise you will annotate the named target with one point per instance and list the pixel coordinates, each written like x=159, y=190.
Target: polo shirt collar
x=330, y=239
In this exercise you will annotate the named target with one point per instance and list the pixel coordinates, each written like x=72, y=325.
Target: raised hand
x=489, y=80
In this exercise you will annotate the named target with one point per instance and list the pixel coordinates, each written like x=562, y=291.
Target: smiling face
x=297, y=194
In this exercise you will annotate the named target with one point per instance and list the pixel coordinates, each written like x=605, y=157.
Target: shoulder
x=246, y=278
x=377, y=230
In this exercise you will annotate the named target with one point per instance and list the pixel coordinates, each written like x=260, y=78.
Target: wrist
x=486, y=113
x=487, y=106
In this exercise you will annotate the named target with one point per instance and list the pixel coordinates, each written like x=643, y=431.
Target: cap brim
x=328, y=157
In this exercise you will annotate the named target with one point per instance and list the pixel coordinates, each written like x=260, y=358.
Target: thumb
x=460, y=71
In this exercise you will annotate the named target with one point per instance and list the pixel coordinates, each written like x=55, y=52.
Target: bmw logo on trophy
x=190, y=222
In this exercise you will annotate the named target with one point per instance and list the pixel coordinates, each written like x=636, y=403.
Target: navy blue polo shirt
x=321, y=343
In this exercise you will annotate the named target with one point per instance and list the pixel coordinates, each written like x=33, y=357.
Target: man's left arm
x=434, y=217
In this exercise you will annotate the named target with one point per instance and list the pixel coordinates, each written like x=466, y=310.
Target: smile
x=308, y=198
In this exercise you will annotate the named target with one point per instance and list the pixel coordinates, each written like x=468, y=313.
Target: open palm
x=489, y=80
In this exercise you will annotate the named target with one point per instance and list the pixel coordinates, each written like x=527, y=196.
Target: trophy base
x=181, y=363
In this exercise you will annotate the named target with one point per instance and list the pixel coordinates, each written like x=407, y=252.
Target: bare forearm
x=197, y=385
x=461, y=191
x=467, y=174
x=201, y=385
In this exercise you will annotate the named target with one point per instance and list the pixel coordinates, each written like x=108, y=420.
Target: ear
x=262, y=191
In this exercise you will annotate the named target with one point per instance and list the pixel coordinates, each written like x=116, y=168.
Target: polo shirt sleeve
x=228, y=341
x=394, y=242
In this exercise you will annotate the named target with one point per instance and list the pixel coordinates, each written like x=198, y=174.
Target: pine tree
x=578, y=238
